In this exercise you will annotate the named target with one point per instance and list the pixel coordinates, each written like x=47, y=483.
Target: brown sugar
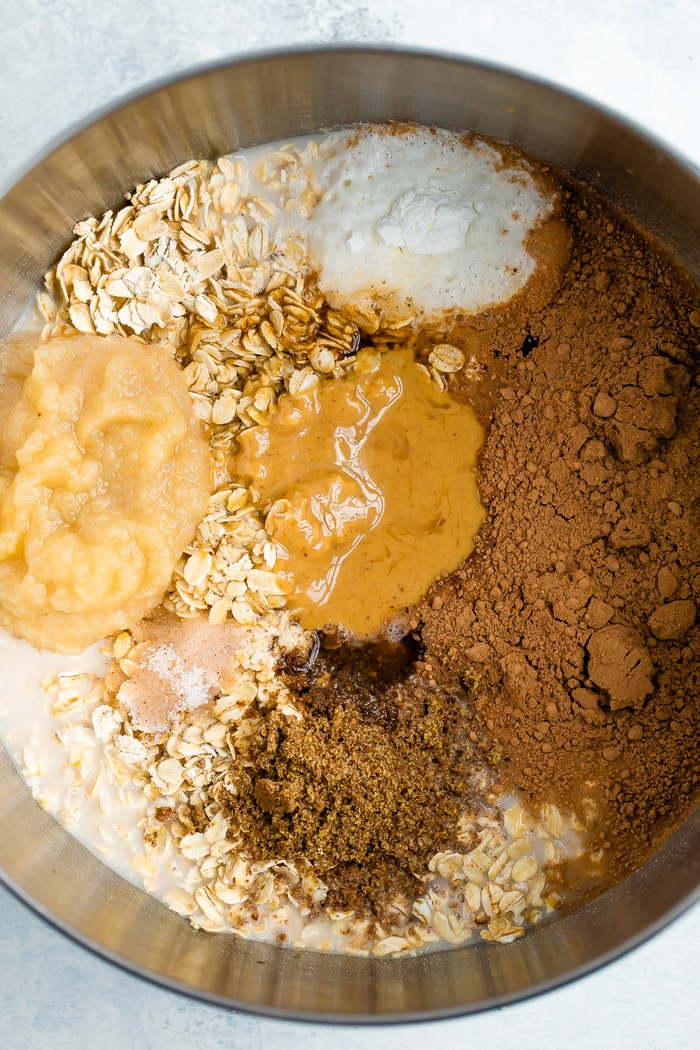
x=368, y=785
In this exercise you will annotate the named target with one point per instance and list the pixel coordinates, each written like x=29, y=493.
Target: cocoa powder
x=578, y=609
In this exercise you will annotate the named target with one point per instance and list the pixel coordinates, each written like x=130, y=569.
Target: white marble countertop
x=63, y=60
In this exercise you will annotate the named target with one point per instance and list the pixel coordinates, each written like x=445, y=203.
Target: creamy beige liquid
x=372, y=491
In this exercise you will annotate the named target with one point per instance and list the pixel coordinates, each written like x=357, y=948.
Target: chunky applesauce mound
x=104, y=476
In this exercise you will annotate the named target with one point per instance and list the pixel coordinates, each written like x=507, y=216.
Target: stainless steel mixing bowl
x=213, y=112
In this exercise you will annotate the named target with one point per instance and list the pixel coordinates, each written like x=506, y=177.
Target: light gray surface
x=56, y=996
x=60, y=63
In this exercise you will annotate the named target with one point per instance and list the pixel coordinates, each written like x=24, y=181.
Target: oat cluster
x=200, y=261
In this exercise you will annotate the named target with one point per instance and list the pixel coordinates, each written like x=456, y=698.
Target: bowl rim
x=196, y=70
x=255, y=57
x=305, y=1016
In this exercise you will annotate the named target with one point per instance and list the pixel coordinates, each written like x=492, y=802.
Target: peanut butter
x=371, y=491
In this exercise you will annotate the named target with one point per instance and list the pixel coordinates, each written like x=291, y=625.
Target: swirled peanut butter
x=104, y=476
x=372, y=492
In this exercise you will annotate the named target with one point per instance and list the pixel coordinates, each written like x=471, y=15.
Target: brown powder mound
x=620, y=665
x=578, y=610
x=368, y=786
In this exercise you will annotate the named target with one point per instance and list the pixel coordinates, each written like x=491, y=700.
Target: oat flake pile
x=522, y=735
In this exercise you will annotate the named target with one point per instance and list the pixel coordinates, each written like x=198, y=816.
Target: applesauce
x=104, y=475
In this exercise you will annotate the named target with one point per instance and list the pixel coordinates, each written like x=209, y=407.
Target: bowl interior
x=213, y=112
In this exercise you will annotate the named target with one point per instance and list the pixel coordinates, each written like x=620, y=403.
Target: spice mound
x=368, y=784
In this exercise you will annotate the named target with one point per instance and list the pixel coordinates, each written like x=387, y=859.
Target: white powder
x=191, y=684
x=165, y=684
x=427, y=222
x=419, y=222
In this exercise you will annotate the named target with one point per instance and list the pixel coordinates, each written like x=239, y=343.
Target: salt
x=191, y=683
